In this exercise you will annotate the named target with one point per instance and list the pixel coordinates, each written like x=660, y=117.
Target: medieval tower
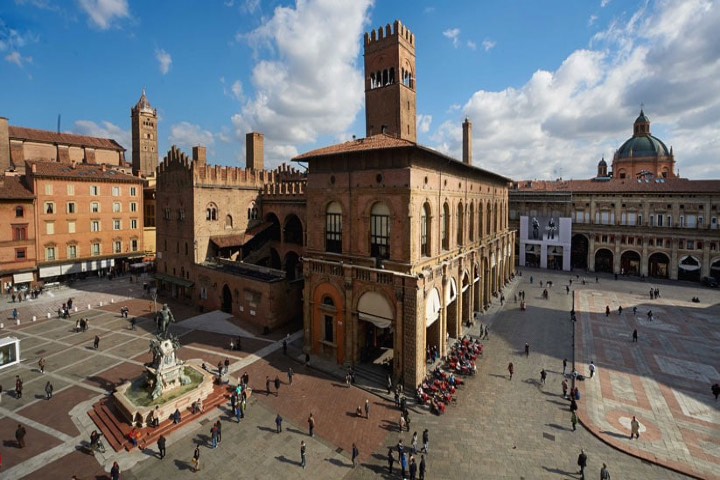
x=144, y=137
x=390, y=95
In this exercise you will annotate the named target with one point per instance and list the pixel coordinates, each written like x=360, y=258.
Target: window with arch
x=333, y=228
x=445, y=226
x=471, y=218
x=328, y=320
x=425, y=230
x=252, y=212
x=496, y=216
x=228, y=221
x=460, y=222
x=481, y=211
x=19, y=212
x=380, y=231
x=488, y=220
x=211, y=212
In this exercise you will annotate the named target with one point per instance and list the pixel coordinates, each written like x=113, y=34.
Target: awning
x=23, y=277
x=689, y=263
x=373, y=308
x=181, y=282
x=432, y=307
x=239, y=239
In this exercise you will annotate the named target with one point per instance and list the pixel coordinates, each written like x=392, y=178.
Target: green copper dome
x=642, y=143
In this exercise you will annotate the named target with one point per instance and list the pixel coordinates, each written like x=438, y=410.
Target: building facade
x=640, y=218
x=18, y=259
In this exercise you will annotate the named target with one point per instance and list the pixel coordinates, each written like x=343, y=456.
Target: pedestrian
x=592, y=369
x=213, y=436
x=238, y=413
x=355, y=454
x=41, y=364
x=96, y=343
x=634, y=428
x=607, y=310
x=511, y=369
x=278, y=423
x=403, y=464
x=426, y=440
x=18, y=387
x=604, y=473
x=15, y=314
x=422, y=467
x=20, y=436
x=218, y=424
x=311, y=425
x=77, y=326
x=574, y=420
x=161, y=446
x=277, y=385
x=582, y=463
x=573, y=404
x=634, y=336
x=413, y=443
x=290, y=375
x=634, y=310
x=196, y=458
x=284, y=345
x=401, y=423
x=267, y=386
x=413, y=468
x=543, y=376
x=527, y=350
x=391, y=460
x=307, y=361
x=176, y=416
x=620, y=310
x=715, y=389
x=564, y=387
x=132, y=323
x=302, y=453
x=367, y=409
x=389, y=384
x=115, y=471
x=487, y=332
x=48, y=390
x=567, y=289
x=564, y=365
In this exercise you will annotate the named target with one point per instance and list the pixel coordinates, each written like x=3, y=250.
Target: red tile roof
x=626, y=185
x=46, y=136
x=12, y=187
x=375, y=142
x=79, y=171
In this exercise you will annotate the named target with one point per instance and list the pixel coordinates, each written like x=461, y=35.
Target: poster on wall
x=543, y=228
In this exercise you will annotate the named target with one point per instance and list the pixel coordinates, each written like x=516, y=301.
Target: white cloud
x=567, y=119
x=103, y=12
x=471, y=45
x=592, y=20
x=16, y=58
x=185, y=134
x=306, y=79
x=604, y=3
x=423, y=123
x=454, y=35
x=104, y=130
x=488, y=44
x=164, y=60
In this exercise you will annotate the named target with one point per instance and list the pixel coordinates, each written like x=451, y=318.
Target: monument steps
x=116, y=429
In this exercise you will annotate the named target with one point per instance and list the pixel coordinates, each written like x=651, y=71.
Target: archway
x=579, y=249
x=689, y=268
x=604, y=261
x=554, y=257
x=226, y=299
x=274, y=229
x=432, y=326
x=375, y=328
x=292, y=262
x=451, y=310
x=274, y=259
x=630, y=263
x=466, y=307
x=532, y=256
x=293, y=230
x=658, y=264
x=486, y=282
x=715, y=269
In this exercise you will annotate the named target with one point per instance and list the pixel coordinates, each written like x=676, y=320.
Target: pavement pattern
x=499, y=428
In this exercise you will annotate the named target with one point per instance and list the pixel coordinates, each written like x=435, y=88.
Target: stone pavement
x=499, y=428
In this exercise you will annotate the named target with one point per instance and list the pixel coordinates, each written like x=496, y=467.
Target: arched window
x=380, y=231
x=471, y=217
x=488, y=220
x=328, y=320
x=333, y=228
x=228, y=221
x=211, y=212
x=460, y=225
x=19, y=212
x=496, y=215
x=445, y=226
x=425, y=230
x=481, y=226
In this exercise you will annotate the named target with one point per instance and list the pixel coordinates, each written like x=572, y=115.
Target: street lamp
x=573, y=319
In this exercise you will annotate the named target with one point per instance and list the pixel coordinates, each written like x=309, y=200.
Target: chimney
x=255, y=151
x=199, y=155
x=4, y=145
x=467, y=142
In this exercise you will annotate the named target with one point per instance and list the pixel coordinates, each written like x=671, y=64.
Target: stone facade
x=18, y=258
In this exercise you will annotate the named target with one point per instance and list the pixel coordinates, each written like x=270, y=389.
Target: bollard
x=101, y=304
x=17, y=321
x=89, y=306
x=34, y=318
x=76, y=308
x=112, y=300
x=2, y=325
x=48, y=315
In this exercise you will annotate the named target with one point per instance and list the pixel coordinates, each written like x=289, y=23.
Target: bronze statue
x=164, y=318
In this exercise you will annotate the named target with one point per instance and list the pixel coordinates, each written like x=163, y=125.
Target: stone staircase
x=115, y=428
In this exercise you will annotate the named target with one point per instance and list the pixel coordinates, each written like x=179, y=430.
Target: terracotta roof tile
x=667, y=185
x=46, y=136
x=13, y=187
x=375, y=142
x=81, y=171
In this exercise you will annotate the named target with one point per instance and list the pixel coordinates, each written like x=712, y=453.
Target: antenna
x=58, y=125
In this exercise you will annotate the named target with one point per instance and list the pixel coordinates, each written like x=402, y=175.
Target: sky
x=550, y=87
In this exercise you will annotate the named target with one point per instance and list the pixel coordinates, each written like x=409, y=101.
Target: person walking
x=564, y=387
x=390, y=460
x=48, y=390
x=634, y=336
x=277, y=385
x=115, y=471
x=413, y=443
x=161, y=446
x=401, y=423
x=367, y=409
x=389, y=384
x=218, y=424
x=422, y=468
x=564, y=365
x=133, y=323
x=213, y=436
x=582, y=463
x=355, y=454
x=543, y=376
x=20, y=436
x=426, y=440
x=607, y=310
x=267, y=386
x=302, y=454
x=604, y=473
x=18, y=387
x=413, y=469
x=527, y=350
x=311, y=425
x=403, y=464
x=574, y=420
x=278, y=423
x=592, y=369
x=196, y=458
x=511, y=369
x=290, y=375
x=634, y=428
x=96, y=343
x=41, y=364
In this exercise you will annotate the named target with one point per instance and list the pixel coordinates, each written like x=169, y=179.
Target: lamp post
x=573, y=319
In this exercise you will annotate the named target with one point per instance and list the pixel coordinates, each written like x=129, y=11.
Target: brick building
x=17, y=234
x=639, y=218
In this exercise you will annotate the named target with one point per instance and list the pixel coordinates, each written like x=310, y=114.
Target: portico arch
x=689, y=268
x=579, y=251
x=604, y=261
x=433, y=306
x=658, y=264
x=375, y=326
x=451, y=307
x=630, y=263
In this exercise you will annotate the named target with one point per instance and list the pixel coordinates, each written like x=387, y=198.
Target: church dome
x=642, y=143
x=602, y=163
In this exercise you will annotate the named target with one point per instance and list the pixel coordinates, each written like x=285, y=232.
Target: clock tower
x=144, y=137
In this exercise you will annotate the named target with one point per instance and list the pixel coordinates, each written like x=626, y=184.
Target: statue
x=164, y=318
x=535, y=229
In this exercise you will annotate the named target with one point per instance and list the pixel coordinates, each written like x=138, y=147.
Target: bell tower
x=144, y=137
x=390, y=96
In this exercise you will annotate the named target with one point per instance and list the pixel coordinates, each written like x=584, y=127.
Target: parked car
x=710, y=282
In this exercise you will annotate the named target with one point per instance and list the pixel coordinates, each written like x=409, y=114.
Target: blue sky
x=551, y=87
